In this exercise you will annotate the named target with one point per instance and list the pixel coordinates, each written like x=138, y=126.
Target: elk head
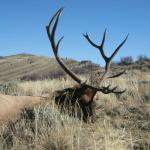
x=82, y=94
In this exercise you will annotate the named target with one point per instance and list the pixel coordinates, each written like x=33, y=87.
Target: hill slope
x=31, y=67
x=26, y=67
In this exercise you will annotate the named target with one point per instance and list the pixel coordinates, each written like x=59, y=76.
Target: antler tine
x=90, y=41
x=117, y=49
x=97, y=46
x=103, y=40
x=101, y=48
x=109, y=59
x=107, y=90
x=51, y=34
x=117, y=75
x=120, y=92
x=115, y=92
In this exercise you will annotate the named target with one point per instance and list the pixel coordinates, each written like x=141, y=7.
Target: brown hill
x=31, y=67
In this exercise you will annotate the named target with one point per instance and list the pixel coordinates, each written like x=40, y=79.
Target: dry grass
x=123, y=121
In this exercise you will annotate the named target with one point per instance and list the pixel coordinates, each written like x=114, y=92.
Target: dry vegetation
x=123, y=122
x=31, y=67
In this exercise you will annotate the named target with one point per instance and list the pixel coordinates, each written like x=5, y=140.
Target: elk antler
x=51, y=29
x=51, y=35
x=108, y=60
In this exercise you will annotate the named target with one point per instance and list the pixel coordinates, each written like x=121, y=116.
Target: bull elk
x=79, y=100
x=81, y=96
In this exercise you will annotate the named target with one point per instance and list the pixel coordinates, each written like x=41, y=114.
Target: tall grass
x=123, y=122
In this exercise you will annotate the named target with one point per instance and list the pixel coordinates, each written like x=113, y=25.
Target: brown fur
x=11, y=107
x=79, y=99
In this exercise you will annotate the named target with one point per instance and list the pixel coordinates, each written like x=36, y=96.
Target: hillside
x=31, y=67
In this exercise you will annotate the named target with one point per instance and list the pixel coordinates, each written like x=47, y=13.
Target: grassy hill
x=31, y=67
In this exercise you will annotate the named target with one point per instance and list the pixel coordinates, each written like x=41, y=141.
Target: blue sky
x=22, y=27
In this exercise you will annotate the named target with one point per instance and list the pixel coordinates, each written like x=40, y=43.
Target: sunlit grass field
x=123, y=122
